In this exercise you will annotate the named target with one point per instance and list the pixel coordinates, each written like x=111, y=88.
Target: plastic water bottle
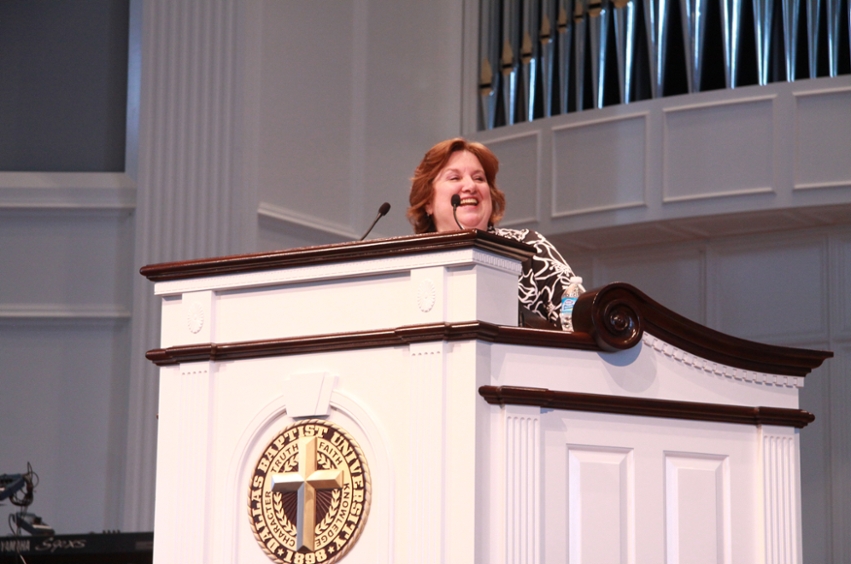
x=568, y=300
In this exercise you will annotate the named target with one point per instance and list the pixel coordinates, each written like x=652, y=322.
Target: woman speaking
x=454, y=187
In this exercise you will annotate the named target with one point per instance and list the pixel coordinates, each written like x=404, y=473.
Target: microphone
x=456, y=201
x=382, y=211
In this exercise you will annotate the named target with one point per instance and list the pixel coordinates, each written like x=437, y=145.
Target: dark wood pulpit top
x=339, y=252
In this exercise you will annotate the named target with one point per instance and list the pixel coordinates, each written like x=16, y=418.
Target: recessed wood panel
x=519, y=176
x=822, y=139
x=718, y=150
x=697, y=509
x=600, y=499
x=235, y=311
x=599, y=166
x=770, y=290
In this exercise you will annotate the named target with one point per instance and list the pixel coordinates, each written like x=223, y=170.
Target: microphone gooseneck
x=382, y=211
x=456, y=201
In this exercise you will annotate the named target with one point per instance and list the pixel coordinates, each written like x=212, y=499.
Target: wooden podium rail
x=445, y=433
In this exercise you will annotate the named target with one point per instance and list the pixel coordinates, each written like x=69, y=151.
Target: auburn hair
x=435, y=159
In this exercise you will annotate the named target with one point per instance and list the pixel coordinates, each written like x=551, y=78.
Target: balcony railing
x=540, y=58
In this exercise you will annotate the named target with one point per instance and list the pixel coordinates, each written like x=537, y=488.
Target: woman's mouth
x=469, y=202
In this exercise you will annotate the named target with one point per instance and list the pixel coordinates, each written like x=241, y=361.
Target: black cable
x=31, y=479
x=22, y=501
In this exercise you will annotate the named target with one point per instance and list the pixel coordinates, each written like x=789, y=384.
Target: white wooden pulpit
x=376, y=402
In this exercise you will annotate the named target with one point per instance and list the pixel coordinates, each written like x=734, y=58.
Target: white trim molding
x=63, y=313
x=284, y=218
x=722, y=370
x=67, y=191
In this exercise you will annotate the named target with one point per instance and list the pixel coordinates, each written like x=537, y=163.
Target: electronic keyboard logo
x=309, y=495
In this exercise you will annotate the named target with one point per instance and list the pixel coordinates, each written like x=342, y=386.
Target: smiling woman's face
x=462, y=175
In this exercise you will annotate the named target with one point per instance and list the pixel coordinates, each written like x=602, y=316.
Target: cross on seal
x=305, y=482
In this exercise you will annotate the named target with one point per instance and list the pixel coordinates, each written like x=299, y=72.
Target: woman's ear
x=429, y=209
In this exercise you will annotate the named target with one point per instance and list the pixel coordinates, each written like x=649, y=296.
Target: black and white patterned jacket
x=545, y=277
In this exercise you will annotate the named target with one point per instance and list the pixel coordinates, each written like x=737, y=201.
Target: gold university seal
x=309, y=494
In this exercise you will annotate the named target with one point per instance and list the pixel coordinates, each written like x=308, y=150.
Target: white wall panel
x=283, y=220
x=411, y=99
x=63, y=406
x=519, y=175
x=750, y=223
x=351, y=97
x=720, y=162
x=716, y=150
x=274, y=235
x=822, y=140
x=599, y=165
x=66, y=259
x=65, y=294
x=582, y=266
x=697, y=509
x=770, y=289
x=617, y=238
x=815, y=464
x=306, y=108
x=840, y=453
x=840, y=284
x=674, y=277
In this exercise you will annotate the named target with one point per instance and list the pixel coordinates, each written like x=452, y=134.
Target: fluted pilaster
x=781, y=485
x=188, y=204
x=522, y=484
x=427, y=440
